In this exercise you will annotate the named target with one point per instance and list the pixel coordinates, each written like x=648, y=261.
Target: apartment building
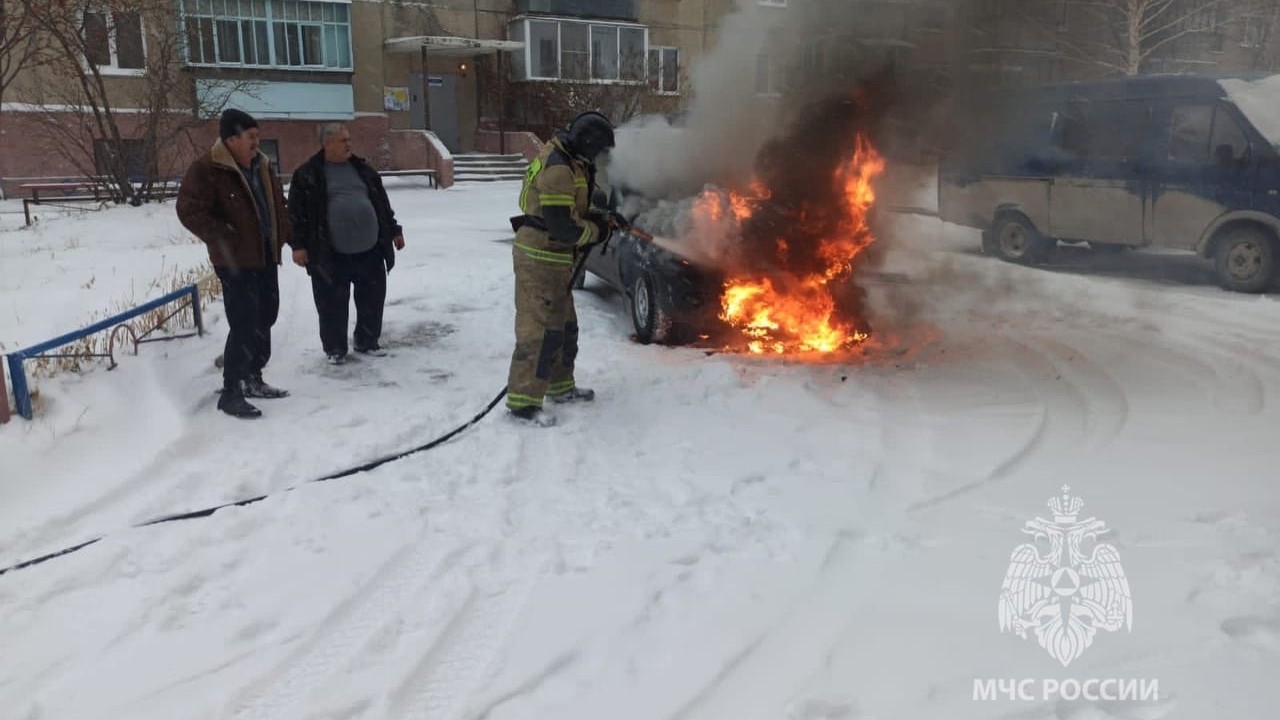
x=464, y=69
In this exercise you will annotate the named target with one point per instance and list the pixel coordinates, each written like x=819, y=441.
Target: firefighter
x=558, y=223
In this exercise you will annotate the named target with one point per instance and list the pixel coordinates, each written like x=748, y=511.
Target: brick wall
x=27, y=148
x=412, y=150
x=524, y=143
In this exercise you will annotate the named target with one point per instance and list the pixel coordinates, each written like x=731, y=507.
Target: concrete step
x=473, y=159
x=471, y=177
x=502, y=167
x=489, y=167
x=488, y=171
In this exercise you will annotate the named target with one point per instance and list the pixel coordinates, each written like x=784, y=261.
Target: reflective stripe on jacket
x=557, y=191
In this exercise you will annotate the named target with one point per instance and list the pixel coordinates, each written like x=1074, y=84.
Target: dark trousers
x=252, y=299
x=332, y=289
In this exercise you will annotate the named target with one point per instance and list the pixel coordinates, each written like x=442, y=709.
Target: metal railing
x=15, y=360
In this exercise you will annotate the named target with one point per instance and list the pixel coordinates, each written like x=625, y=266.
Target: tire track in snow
x=60, y=528
x=447, y=675
x=902, y=438
x=351, y=625
x=1229, y=371
x=1077, y=407
x=818, y=615
x=1107, y=404
x=728, y=670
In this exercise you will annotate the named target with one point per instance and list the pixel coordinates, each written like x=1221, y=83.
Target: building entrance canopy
x=447, y=46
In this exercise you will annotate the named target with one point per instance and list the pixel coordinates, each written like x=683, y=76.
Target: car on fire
x=671, y=299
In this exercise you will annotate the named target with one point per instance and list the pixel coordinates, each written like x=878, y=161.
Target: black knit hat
x=233, y=122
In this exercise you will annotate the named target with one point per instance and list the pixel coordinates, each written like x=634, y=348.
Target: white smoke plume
x=715, y=144
x=725, y=125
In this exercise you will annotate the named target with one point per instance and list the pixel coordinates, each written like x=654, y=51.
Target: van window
x=1229, y=142
x=1189, y=129
x=1119, y=129
x=1074, y=137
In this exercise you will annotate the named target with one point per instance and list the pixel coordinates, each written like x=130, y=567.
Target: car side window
x=1189, y=130
x=1229, y=143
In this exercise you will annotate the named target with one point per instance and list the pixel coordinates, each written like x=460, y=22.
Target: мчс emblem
x=1065, y=585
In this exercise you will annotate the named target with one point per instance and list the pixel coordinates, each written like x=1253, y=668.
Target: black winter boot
x=254, y=387
x=233, y=403
x=535, y=416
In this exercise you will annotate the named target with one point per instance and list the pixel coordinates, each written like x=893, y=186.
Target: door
x=417, y=106
x=1098, y=192
x=1206, y=171
x=442, y=103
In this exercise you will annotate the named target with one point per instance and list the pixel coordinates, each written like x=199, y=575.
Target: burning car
x=671, y=298
x=765, y=267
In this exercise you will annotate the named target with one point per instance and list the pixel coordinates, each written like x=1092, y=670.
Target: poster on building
x=395, y=98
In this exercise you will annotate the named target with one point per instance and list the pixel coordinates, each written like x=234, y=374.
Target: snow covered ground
x=716, y=537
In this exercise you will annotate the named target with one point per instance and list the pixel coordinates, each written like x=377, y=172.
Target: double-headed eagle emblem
x=1065, y=586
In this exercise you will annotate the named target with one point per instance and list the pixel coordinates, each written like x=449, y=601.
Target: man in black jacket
x=345, y=234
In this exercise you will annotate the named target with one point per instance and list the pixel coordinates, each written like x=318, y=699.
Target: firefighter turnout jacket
x=558, y=222
x=556, y=202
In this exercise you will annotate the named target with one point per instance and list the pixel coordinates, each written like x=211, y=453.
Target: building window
x=768, y=75
x=575, y=51
x=302, y=34
x=1255, y=32
x=604, y=52
x=271, y=148
x=134, y=155
x=664, y=70
x=581, y=51
x=113, y=41
x=1204, y=20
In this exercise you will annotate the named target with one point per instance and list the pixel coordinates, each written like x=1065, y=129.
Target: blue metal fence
x=18, y=376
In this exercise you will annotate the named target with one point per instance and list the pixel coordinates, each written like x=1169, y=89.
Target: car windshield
x=1259, y=100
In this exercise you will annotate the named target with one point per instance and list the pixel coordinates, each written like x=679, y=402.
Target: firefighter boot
x=533, y=415
x=573, y=395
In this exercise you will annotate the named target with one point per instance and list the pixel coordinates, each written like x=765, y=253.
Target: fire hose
x=206, y=512
x=619, y=223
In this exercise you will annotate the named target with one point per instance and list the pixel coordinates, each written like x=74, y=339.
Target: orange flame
x=792, y=315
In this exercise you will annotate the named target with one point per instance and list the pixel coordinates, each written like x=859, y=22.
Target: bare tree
x=117, y=99
x=76, y=108
x=1122, y=37
x=1259, y=34
x=20, y=45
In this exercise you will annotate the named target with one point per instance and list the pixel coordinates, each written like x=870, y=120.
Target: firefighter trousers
x=546, y=324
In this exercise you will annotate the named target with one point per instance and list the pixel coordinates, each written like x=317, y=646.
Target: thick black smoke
x=803, y=171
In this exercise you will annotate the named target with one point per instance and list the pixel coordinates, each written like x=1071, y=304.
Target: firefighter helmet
x=590, y=133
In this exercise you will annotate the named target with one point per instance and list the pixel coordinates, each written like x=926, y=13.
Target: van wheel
x=1245, y=260
x=1015, y=239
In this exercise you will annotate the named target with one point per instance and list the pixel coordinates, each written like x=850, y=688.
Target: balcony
x=603, y=9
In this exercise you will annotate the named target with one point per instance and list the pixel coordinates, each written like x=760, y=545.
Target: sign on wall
x=395, y=98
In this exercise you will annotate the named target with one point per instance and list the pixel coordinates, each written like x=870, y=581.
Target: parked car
x=1169, y=161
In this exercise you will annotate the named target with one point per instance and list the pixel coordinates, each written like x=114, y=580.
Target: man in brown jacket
x=231, y=200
